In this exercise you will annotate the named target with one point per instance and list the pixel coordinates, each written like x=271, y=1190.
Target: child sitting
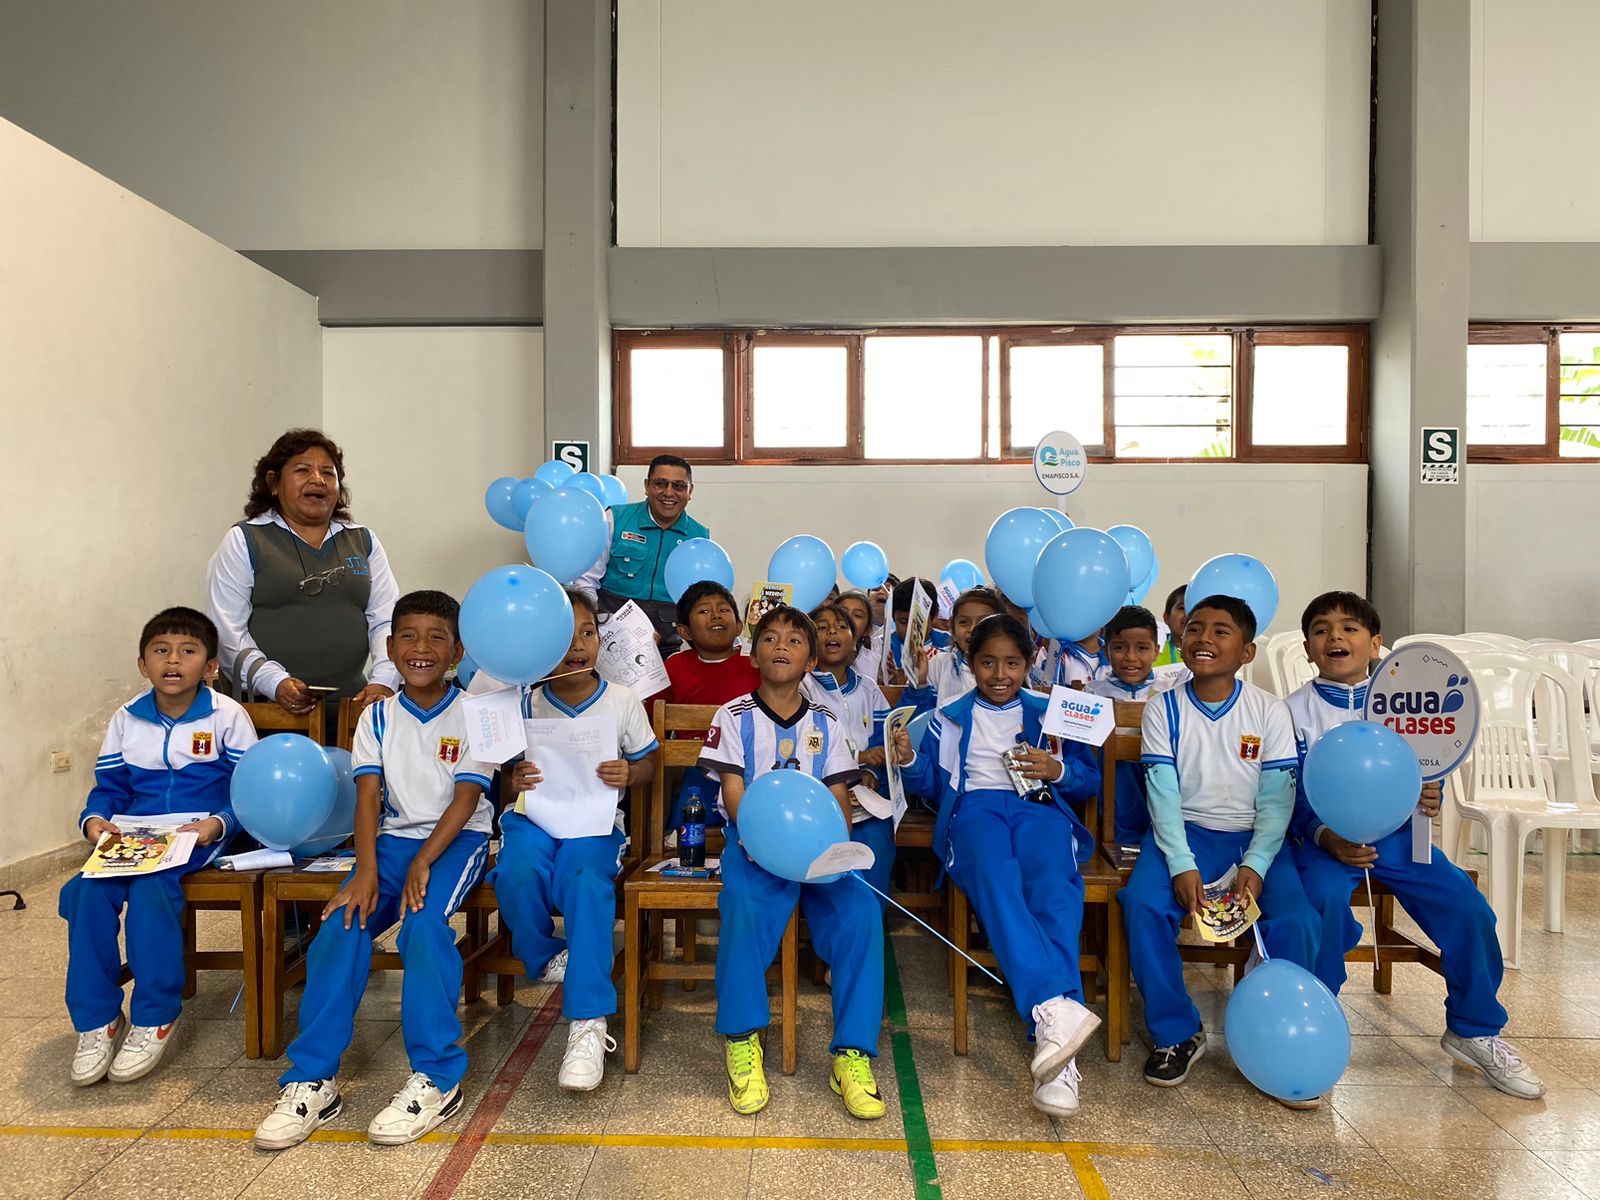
x=949, y=671
x=538, y=872
x=776, y=729
x=1343, y=639
x=1131, y=647
x=172, y=750
x=1219, y=758
x=869, y=650
x=859, y=704
x=1017, y=856
x=1080, y=663
x=417, y=813
x=919, y=696
x=1171, y=653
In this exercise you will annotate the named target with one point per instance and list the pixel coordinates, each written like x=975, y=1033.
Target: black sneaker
x=1168, y=1066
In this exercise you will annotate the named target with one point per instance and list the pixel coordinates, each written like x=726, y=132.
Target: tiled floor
x=1404, y=1122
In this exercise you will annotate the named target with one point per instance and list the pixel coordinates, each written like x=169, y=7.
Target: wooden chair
x=916, y=862
x=349, y=714
x=268, y=717
x=649, y=900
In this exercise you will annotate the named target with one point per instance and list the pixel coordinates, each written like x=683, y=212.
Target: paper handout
x=570, y=800
x=628, y=652
x=495, y=733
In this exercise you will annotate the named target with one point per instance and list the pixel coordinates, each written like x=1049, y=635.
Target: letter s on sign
x=1439, y=446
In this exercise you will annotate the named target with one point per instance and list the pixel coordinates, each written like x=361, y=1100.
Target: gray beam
x=577, y=223
x=1419, y=341
x=850, y=287
x=1535, y=281
x=416, y=287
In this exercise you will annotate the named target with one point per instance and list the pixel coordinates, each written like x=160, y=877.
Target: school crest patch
x=814, y=741
x=200, y=746
x=1250, y=747
x=449, y=750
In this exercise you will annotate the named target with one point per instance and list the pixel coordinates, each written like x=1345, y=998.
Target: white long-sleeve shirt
x=230, y=579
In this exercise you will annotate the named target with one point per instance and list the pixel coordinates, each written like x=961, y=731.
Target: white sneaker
x=584, y=1064
x=1060, y=1028
x=92, y=1059
x=1059, y=1097
x=416, y=1109
x=301, y=1110
x=141, y=1051
x=555, y=971
x=1498, y=1059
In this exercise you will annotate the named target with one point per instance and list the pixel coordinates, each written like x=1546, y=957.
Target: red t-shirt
x=696, y=681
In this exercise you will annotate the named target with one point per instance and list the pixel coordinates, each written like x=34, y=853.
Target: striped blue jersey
x=747, y=738
x=150, y=763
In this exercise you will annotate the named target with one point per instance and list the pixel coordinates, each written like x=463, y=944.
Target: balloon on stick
x=584, y=481
x=1286, y=1032
x=522, y=497
x=498, y=500
x=1079, y=583
x=1012, y=548
x=341, y=821
x=1240, y=576
x=1363, y=781
x=1136, y=544
x=283, y=789
x=693, y=561
x=786, y=819
x=808, y=564
x=616, y=492
x=516, y=622
x=566, y=533
x=962, y=574
x=555, y=472
x=865, y=565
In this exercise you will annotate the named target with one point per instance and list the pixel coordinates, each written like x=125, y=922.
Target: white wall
x=1535, y=175
x=143, y=369
x=427, y=417
x=1037, y=122
x=297, y=124
x=1532, y=546
x=1308, y=523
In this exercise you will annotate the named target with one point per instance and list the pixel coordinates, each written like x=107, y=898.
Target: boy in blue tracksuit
x=422, y=843
x=171, y=751
x=1017, y=856
x=1343, y=639
x=1220, y=760
x=776, y=728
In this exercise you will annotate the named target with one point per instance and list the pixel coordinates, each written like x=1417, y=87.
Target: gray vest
x=321, y=639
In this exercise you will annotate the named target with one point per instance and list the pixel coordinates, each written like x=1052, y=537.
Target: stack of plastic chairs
x=1582, y=662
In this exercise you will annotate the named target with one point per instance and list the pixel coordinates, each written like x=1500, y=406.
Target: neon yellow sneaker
x=852, y=1079
x=747, y=1082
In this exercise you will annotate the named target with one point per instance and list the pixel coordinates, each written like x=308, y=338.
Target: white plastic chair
x=1511, y=789
x=1582, y=662
x=1450, y=641
x=1500, y=641
x=1266, y=671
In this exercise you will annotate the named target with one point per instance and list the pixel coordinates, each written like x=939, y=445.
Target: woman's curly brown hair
x=292, y=443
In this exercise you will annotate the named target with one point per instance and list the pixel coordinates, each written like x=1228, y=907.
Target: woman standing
x=301, y=596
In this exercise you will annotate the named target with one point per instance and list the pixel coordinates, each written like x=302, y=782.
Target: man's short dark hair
x=1236, y=608
x=1175, y=598
x=900, y=598
x=1348, y=603
x=429, y=604
x=786, y=614
x=1131, y=616
x=697, y=592
x=670, y=460
x=183, y=622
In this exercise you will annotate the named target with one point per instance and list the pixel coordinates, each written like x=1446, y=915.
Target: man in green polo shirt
x=643, y=536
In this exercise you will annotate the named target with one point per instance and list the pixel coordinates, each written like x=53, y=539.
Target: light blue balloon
x=341, y=822
x=555, y=473
x=865, y=565
x=1035, y=628
x=616, y=491
x=516, y=622
x=917, y=728
x=962, y=574
x=523, y=496
x=584, y=481
x=1062, y=521
x=466, y=671
x=786, y=819
x=566, y=533
x=1286, y=1032
x=498, y=500
x=1080, y=582
x=1362, y=780
x=1012, y=548
x=1136, y=544
x=1142, y=589
x=1239, y=576
x=806, y=562
x=283, y=790
x=694, y=560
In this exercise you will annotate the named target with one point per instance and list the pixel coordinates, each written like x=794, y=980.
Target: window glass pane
x=1580, y=395
x=1505, y=395
x=996, y=446
x=924, y=397
x=676, y=393
x=1057, y=387
x=1300, y=395
x=799, y=395
x=1173, y=395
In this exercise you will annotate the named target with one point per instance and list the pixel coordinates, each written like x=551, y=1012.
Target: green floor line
x=919, y=1145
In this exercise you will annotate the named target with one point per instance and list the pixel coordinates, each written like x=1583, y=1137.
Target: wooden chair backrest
x=676, y=752
x=1124, y=745
x=349, y=716
x=269, y=717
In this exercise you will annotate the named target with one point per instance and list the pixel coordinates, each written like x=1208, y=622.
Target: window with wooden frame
x=1533, y=393
x=1141, y=393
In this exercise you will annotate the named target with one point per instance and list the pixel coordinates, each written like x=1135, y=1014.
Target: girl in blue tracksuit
x=1016, y=858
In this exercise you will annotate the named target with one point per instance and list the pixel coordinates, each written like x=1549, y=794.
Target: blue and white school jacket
x=151, y=764
x=940, y=768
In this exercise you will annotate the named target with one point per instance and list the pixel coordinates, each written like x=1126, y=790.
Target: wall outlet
x=60, y=760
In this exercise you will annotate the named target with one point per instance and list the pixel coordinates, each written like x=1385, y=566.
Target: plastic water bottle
x=692, y=833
